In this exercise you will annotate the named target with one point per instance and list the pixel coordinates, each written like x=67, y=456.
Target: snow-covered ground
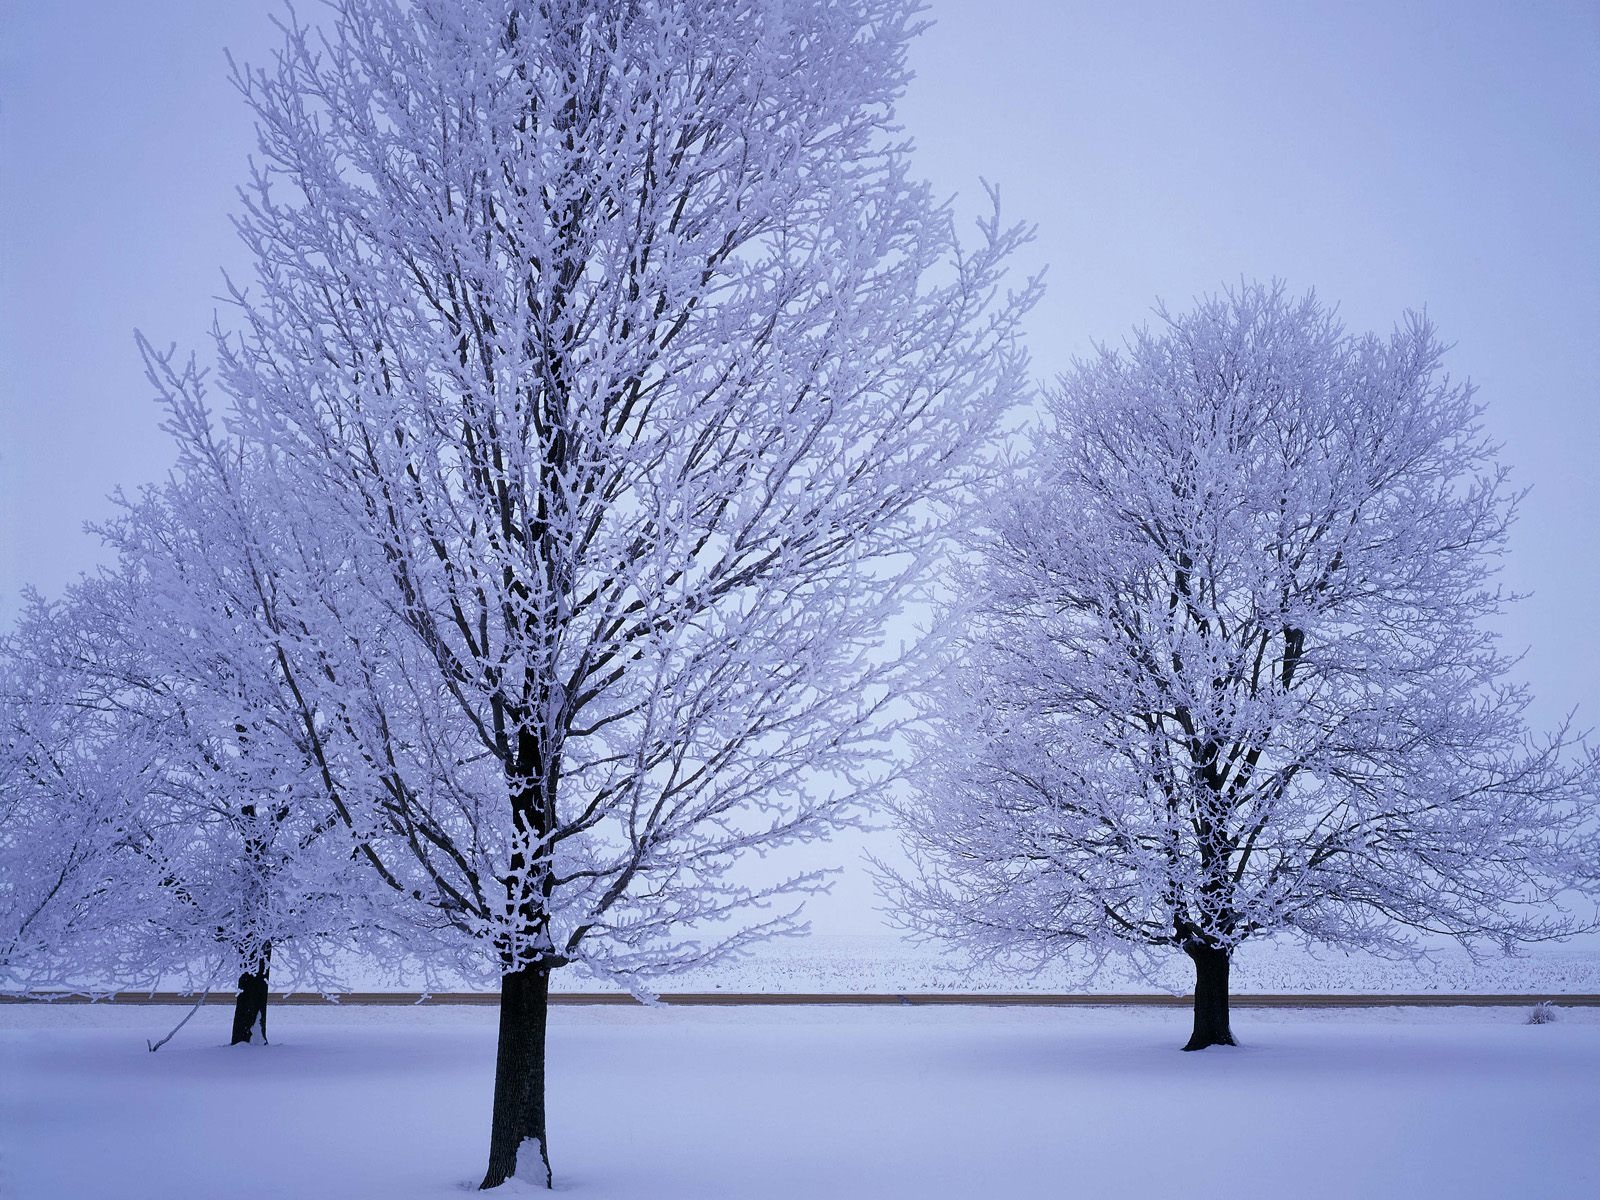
x=814, y=1103
x=885, y=963
x=867, y=963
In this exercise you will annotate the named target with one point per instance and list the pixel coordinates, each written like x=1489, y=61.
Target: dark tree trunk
x=519, y=1079
x=1210, y=998
x=250, y=1006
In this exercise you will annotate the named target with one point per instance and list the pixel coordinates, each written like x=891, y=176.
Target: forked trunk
x=1210, y=998
x=517, y=1142
x=250, y=1006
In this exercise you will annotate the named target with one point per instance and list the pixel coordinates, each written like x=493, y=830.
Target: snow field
x=809, y=1104
x=876, y=963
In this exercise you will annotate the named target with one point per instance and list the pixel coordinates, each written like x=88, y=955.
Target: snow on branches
x=1230, y=672
x=629, y=373
x=162, y=756
x=627, y=384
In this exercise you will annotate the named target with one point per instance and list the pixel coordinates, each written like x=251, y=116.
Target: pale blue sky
x=1390, y=154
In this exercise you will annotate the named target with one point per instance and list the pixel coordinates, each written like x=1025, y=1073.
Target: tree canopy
x=1230, y=670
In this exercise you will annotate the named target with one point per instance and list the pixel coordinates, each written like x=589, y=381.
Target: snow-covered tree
x=628, y=379
x=257, y=864
x=164, y=763
x=66, y=883
x=1230, y=672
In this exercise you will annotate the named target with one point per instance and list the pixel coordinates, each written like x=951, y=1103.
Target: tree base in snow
x=250, y=1008
x=1211, y=1027
x=518, y=1147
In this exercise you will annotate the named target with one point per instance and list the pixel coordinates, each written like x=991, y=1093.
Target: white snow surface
x=872, y=963
x=886, y=963
x=807, y=1103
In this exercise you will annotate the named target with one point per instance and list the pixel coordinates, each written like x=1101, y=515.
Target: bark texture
x=518, y=1115
x=1210, y=998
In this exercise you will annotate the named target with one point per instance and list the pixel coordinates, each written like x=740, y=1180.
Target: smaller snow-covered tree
x=66, y=806
x=241, y=823
x=231, y=820
x=1229, y=676
x=164, y=823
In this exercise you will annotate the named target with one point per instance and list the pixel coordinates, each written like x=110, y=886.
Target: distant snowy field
x=887, y=964
x=809, y=1104
x=866, y=963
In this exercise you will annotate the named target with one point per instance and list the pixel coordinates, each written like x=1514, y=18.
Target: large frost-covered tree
x=1229, y=672
x=627, y=378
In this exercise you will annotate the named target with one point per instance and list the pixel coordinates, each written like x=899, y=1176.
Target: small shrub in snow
x=1543, y=1013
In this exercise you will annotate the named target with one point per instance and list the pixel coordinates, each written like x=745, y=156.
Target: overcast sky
x=1392, y=155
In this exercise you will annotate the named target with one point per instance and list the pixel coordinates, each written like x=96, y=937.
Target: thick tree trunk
x=517, y=1135
x=250, y=1006
x=1210, y=998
